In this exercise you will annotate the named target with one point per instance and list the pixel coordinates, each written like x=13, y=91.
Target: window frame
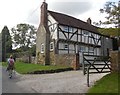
x=51, y=44
x=66, y=48
x=42, y=48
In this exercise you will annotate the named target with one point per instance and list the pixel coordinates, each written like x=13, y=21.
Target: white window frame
x=42, y=48
x=65, y=46
x=51, y=45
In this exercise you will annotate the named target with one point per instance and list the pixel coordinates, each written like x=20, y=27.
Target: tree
x=109, y=31
x=6, y=42
x=24, y=36
x=112, y=10
x=33, y=50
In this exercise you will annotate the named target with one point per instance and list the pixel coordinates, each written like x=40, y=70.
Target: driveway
x=64, y=82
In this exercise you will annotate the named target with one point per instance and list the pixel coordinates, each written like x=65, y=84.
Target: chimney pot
x=89, y=21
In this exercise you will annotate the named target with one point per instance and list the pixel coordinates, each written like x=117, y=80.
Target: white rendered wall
x=51, y=22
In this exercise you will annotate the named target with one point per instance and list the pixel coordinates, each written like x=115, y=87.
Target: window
x=42, y=48
x=82, y=48
x=51, y=46
x=86, y=33
x=66, y=46
x=91, y=49
x=70, y=29
x=65, y=28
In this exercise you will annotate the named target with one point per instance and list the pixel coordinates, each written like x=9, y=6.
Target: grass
x=108, y=84
x=23, y=68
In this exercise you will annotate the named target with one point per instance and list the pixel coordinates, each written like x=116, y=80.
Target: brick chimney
x=44, y=22
x=44, y=18
x=89, y=21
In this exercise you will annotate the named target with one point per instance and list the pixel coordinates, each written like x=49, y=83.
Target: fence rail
x=93, y=64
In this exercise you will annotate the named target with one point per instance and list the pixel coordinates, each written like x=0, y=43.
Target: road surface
x=64, y=82
x=10, y=85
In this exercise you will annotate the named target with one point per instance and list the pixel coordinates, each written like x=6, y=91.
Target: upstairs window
x=51, y=46
x=66, y=28
x=70, y=29
x=86, y=33
x=42, y=48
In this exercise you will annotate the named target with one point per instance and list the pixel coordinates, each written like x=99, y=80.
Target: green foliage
x=32, y=50
x=110, y=31
x=108, y=84
x=6, y=42
x=24, y=36
x=23, y=68
x=112, y=10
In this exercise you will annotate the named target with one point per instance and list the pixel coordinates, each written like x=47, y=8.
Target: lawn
x=108, y=84
x=24, y=68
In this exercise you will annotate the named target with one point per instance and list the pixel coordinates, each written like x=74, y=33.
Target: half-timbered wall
x=52, y=24
x=77, y=40
x=74, y=39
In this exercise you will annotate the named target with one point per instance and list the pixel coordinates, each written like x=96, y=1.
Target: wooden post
x=83, y=65
x=88, y=77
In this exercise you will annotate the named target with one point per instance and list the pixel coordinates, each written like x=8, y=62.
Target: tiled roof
x=71, y=21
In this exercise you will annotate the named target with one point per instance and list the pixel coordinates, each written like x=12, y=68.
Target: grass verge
x=108, y=84
x=24, y=68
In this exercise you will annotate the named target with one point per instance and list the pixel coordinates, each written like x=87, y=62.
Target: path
x=65, y=82
x=10, y=85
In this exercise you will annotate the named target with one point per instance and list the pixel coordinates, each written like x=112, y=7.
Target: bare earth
x=64, y=82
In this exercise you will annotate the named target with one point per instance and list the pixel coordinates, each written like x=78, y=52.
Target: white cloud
x=16, y=11
x=13, y=12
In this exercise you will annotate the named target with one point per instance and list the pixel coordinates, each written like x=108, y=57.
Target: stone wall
x=64, y=59
x=115, y=61
x=75, y=62
x=71, y=60
x=52, y=58
x=26, y=59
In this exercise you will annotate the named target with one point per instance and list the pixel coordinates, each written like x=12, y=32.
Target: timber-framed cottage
x=60, y=37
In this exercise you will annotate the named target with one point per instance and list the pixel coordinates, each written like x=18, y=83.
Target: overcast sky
x=13, y=12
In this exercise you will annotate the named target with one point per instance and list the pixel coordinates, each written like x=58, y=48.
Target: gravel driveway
x=64, y=82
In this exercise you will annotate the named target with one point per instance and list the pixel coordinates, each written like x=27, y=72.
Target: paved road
x=64, y=82
x=10, y=85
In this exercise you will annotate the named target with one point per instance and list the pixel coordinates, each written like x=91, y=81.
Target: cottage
x=60, y=37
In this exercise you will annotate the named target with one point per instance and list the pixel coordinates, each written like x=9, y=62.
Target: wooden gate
x=95, y=64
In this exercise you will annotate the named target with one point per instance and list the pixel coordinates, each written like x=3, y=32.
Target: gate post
x=75, y=62
x=115, y=61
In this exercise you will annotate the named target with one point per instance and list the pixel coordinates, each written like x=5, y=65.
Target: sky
x=13, y=12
